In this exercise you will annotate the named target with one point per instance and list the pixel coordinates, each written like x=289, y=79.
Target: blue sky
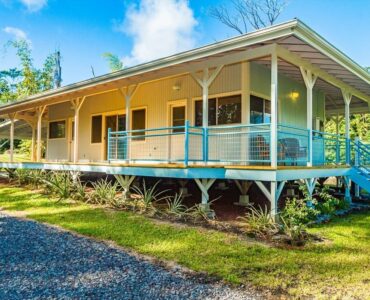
x=145, y=29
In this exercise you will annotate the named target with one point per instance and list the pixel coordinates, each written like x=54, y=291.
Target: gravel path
x=38, y=261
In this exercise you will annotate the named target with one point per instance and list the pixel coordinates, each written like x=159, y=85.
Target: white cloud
x=17, y=33
x=34, y=5
x=159, y=28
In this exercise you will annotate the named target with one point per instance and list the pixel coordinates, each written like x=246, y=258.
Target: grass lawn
x=17, y=157
x=339, y=267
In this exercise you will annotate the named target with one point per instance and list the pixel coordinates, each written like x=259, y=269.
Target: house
x=250, y=109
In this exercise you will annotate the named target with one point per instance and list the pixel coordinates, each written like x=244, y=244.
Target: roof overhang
x=354, y=77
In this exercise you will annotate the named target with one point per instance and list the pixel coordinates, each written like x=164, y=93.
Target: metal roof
x=294, y=36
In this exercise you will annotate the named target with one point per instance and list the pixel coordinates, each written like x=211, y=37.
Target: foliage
x=359, y=124
x=259, y=221
x=242, y=13
x=115, y=64
x=79, y=190
x=334, y=269
x=21, y=176
x=175, y=207
x=329, y=204
x=59, y=183
x=296, y=212
x=147, y=197
x=295, y=231
x=36, y=178
x=104, y=192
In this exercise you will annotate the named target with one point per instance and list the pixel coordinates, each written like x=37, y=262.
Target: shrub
x=329, y=204
x=36, y=178
x=175, y=208
x=60, y=184
x=104, y=192
x=296, y=232
x=297, y=212
x=259, y=221
x=21, y=176
x=79, y=190
x=147, y=197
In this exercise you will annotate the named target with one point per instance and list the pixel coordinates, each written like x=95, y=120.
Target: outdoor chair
x=292, y=150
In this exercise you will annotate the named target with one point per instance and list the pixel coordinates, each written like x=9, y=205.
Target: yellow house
x=250, y=108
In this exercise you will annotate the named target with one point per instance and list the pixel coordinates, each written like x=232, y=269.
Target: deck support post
x=128, y=93
x=309, y=80
x=33, y=142
x=243, y=187
x=274, y=109
x=272, y=194
x=204, y=185
x=76, y=106
x=310, y=184
x=39, y=113
x=204, y=82
x=347, y=185
x=347, y=97
x=11, y=137
x=125, y=182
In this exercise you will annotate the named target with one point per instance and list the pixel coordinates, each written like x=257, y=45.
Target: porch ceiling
x=294, y=36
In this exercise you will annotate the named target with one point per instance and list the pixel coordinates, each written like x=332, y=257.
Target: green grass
x=17, y=157
x=340, y=267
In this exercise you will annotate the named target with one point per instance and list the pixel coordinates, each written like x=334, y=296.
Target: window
x=260, y=110
x=178, y=118
x=96, y=129
x=138, y=122
x=57, y=129
x=222, y=110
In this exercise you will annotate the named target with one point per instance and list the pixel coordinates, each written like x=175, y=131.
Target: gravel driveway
x=38, y=261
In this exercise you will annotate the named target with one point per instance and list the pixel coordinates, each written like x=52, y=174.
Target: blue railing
x=231, y=144
x=328, y=148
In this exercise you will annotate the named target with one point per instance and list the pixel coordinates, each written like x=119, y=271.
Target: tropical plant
x=79, y=190
x=147, y=196
x=175, y=207
x=36, y=178
x=59, y=183
x=21, y=176
x=296, y=232
x=104, y=192
x=329, y=204
x=115, y=64
x=259, y=221
x=297, y=212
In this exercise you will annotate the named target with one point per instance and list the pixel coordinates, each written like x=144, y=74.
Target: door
x=117, y=143
x=177, y=141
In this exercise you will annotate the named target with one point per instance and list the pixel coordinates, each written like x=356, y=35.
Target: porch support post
x=274, y=109
x=11, y=137
x=205, y=83
x=347, y=97
x=273, y=194
x=310, y=184
x=125, y=182
x=76, y=105
x=33, y=142
x=204, y=185
x=39, y=113
x=243, y=186
x=347, y=184
x=309, y=80
x=128, y=92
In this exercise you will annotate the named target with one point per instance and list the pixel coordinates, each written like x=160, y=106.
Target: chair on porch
x=259, y=149
x=291, y=150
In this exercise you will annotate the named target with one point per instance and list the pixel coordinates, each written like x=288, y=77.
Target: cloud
x=158, y=28
x=17, y=33
x=33, y=5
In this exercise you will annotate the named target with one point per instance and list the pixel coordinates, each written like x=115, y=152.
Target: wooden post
x=347, y=97
x=76, y=105
x=39, y=112
x=274, y=107
x=11, y=150
x=309, y=80
x=128, y=93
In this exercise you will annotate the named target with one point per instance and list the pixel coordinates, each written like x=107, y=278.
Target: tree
x=115, y=64
x=242, y=13
x=18, y=83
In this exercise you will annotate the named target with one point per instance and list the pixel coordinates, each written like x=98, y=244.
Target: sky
x=141, y=30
